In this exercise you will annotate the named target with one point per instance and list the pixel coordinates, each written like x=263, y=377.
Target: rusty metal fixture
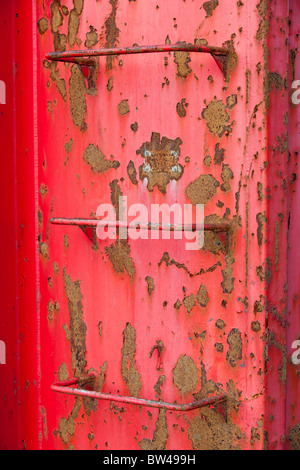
x=217, y=227
x=64, y=387
x=89, y=226
x=71, y=56
x=160, y=349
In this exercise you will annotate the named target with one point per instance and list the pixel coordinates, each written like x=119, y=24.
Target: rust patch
x=150, y=284
x=231, y=101
x=77, y=325
x=110, y=84
x=227, y=175
x=271, y=79
x=66, y=241
x=134, y=126
x=66, y=429
x=189, y=302
x=216, y=117
x=67, y=331
x=118, y=254
x=129, y=371
x=131, y=171
x=91, y=38
x=185, y=374
x=67, y=425
x=43, y=25
x=231, y=60
x=255, y=436
x=160, y=436
x=160, y=381
x=260, y=193
x=115, y=195
x=219, y=155
x=59, y=82
x=73, y=27
x=293, y=55
x=294, y=437
x=202, y=189
x=202, y=296
x=169, y=262
x=182, y=59
x=123, y=107
x=260, y=272
x=97, y=161
x=40, y=216
x=261, y=219
x=52, y=308
x=101, y=380
x=69, y=146
x=255, y=326
x=45, y=426
x=63, y=373
x=210, y=6
x=161, y=161
x=55, y=268
x=112, y=32
x=181, y=108
x=201, y=42
x=210, y=431
x=89, y=404
x=228, y=280
x=220, y=324
x=248, y=85
x=258, y=307
x=263, y=28
x=219, y=347
x=59, y=40
x=100, y=326
x=65, y=10
x=235, y=352
x=74, y=21
x=44, y=249
x=68, y=149
x=78, y=5
x=207, y=160
x=261, y=36
x=207, y=386
x=78, y=91
x=277, y=245
x=271, y=340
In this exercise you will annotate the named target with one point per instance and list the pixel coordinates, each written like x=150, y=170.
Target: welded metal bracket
x=88, y=69
x=90, y=232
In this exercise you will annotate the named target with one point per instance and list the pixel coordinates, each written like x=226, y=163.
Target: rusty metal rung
x=217, y=227
x=218, y=53
x=64, y=387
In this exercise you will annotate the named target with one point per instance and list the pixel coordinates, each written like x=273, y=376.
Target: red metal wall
x=8, y=318
x=226, y=314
